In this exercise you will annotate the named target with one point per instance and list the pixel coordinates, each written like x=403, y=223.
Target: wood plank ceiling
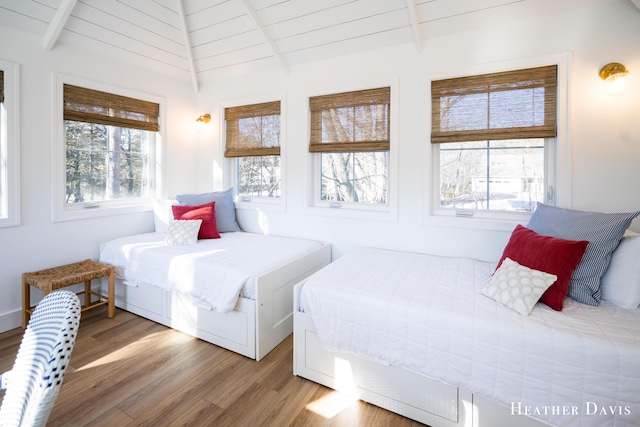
x=200, y=40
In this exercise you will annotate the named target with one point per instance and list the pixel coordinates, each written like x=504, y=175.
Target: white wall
x=605, y=138
x=38, y=242
x=605, y=131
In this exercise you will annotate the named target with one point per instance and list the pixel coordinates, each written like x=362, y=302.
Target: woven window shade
x=253, y=130
x=509, y=105
x=92, y=106
x=350, y=121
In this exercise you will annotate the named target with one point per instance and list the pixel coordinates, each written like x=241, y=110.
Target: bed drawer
x=140, y=298
x=188, y=315
x=394, y=385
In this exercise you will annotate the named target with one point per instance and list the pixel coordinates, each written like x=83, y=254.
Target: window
x=350, y=137
x=494, y=137
x=109, y=147
x=253, y=139
x=9, y=161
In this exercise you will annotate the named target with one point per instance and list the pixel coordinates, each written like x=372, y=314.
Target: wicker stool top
x=67, y=275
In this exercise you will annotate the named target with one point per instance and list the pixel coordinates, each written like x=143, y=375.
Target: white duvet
x=215, y=271
x=577, y=367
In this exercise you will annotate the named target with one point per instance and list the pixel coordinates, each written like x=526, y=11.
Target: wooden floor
x=129, y=371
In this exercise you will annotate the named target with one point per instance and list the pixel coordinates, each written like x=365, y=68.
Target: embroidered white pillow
x=183, y=232
x=517, y=286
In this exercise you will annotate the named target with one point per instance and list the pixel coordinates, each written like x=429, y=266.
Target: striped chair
x=35, y=379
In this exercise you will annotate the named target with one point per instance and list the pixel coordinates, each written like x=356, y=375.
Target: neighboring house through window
x=494, y=137
x=350, y=138
x=253, y=140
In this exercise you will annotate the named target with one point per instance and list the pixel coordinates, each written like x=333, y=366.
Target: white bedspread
x=577, y=367
x=215, y=271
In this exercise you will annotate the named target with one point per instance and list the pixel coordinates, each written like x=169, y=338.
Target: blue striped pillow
x=602, y=230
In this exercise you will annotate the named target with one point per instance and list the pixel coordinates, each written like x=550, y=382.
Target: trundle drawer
x=187, y=314
x=140, y=297
x=386, y=386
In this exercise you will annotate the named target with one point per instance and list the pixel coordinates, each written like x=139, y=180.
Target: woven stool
x=66, y=275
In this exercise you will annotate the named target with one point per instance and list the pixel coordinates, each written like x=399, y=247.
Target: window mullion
x=488, y=191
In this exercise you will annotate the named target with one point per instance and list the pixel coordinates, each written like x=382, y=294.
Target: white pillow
x=183, y=232
x=516, y=286
x=162, y=213
x=621, y=282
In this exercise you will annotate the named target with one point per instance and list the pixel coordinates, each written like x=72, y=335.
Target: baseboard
x=10, y=320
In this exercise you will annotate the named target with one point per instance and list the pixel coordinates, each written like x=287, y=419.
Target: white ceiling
x=198, y=39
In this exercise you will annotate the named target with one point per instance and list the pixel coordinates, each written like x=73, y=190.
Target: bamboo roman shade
x=508, y=105
x=92, y=106
x=350, y=121
x=253, y=130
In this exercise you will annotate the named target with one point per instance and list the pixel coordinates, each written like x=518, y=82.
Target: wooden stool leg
x=112, y=295
x=87, y=293
x=26, y=302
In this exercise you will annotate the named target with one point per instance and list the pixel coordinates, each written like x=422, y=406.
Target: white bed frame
x=404, y=392
x=252, y=329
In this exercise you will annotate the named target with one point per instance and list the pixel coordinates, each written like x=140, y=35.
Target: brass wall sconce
x=204, y=119
x=614, y=75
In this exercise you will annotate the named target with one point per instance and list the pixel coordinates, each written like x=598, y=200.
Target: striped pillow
x=602, y=230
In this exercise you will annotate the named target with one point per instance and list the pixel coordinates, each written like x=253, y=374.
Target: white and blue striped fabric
x=602, y=230
x=35, y=379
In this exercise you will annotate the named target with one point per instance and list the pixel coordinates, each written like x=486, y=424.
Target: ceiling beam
x=415, y=26
x=265, y=35
x=57, y=23
x=187, y=45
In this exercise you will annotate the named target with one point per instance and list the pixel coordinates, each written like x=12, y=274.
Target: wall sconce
x=203, y=119
x=614, y=75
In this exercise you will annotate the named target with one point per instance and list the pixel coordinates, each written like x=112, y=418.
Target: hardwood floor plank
x=187, y=380
x=9, y=343
x=295, y=397
x=276, y=375
x=241, y=414
x=203, y=413
x=111, y=418
x=164, y=386
x=129, y=371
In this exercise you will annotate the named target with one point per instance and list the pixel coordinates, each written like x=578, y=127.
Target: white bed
x=413, y=333
x=235, y=291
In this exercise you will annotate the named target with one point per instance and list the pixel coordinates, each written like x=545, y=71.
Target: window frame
x=62, y=211
x=230, y=178
x=10, y=146
x=557, y=150
x=370, y=211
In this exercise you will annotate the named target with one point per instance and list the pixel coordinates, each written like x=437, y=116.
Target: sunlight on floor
x=337, y=401
x=331, y=405
x=158, y=339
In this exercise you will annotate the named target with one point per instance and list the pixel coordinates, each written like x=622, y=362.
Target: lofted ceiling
x=200, y=39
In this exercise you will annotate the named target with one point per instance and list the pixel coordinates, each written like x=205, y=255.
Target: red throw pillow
x=206, y=212
x=548, y=254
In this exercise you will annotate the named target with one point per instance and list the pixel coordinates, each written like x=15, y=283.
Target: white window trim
x=59, y=211
x=11, y=150
x=387, y=212
x=271, y=204
x=561, y=173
